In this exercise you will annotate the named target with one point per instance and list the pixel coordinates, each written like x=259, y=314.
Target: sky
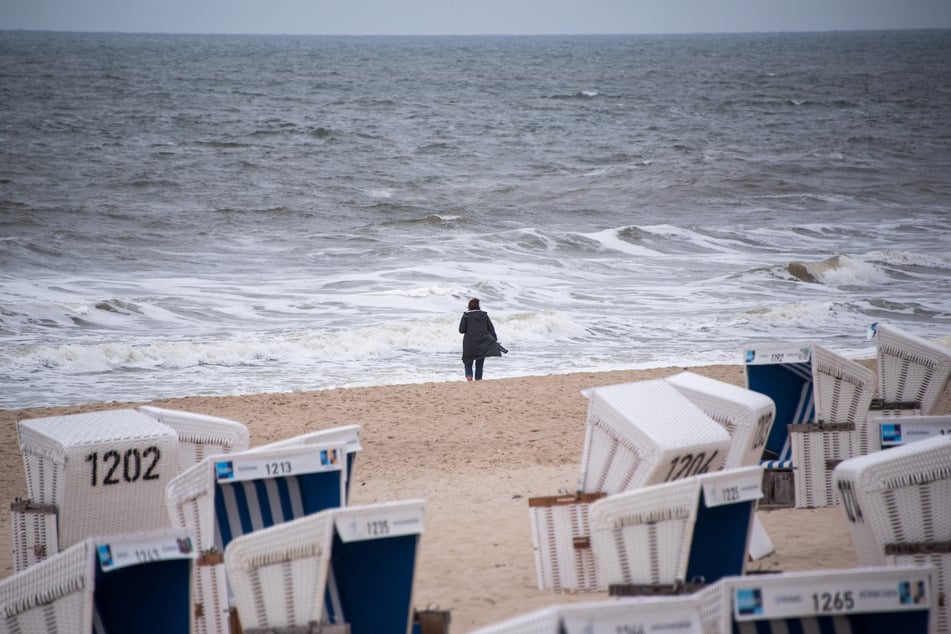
x=470, y=17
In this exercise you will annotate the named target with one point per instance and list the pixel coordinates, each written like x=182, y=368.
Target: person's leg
x=468, y=365
x=478, y=368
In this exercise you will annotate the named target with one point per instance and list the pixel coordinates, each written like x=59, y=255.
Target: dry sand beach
x=476, y=452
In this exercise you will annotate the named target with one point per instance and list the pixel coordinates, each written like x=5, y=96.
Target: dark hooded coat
x=479, y=338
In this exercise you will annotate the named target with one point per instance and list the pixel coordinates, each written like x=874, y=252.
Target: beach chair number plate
x=817, y=598
x=733, y=490
x=121, y=554
x=303, y=460
x=361, y=527
x=131, y=465
x=777, y=355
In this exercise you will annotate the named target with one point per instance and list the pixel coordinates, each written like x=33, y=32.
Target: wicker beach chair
x=894, y=432
x=352, y=566
x=134, y=582
x=89, y=474
x=199, y=435
x=692, y=531
x=897, y=505
x=224, y=497
x=872, y=600
x=561, y=540
x=822, y=402
x=912, y=372
x=644, y=433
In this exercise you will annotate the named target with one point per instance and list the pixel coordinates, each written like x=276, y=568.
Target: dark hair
x=474, y=303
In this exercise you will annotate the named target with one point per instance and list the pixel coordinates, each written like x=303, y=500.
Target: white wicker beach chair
x=894, y=432
x=912, y=372
x=694, y=531
x=871, y=600
x=104, y=472
x=134, y=582
x=822, y=402
x=561, y=539
x=897, y=505
x=646, y=432
x=199, y=435
x=34, y=532
x=224, y=497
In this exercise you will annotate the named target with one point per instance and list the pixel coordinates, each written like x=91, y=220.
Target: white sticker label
x=285, y=463
x=720, y=491
x=119, y=554
x=778, y=355
x=363, y=525
x=811, y=598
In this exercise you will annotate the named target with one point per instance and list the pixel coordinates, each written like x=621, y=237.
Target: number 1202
x=129, y=466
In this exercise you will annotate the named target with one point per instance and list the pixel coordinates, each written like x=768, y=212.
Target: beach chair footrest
x=879, y=404
x=918, y=548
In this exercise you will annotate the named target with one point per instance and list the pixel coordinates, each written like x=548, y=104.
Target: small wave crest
x=839, y=270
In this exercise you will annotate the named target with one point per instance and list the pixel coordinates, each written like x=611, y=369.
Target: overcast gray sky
x=471, y=16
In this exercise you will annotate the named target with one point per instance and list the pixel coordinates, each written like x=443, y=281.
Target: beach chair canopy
x=646, y=432
x=745, y=414
x=694, y=530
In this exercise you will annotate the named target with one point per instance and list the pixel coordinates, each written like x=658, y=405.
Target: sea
x=229, y=214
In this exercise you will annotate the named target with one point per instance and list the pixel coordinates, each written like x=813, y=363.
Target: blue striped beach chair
x=822, y=401
x=873, y=600
x=225, y=497
x=133, y=582
x=691, y=531
x=352, y=566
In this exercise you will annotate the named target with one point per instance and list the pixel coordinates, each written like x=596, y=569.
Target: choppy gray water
x=228, y=214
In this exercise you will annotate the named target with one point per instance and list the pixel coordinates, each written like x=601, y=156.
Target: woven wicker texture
x=942, y=578
x=561, y=538
x=647, y=536
x=843, y=391
x=199, y=435
x=816, y=449
x=279, y=575
x=746, y=415
x=897, y=496
x=106, y=472
x=646, y=432
x=910, y=369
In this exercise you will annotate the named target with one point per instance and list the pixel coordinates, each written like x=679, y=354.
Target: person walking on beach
x=478, y=339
